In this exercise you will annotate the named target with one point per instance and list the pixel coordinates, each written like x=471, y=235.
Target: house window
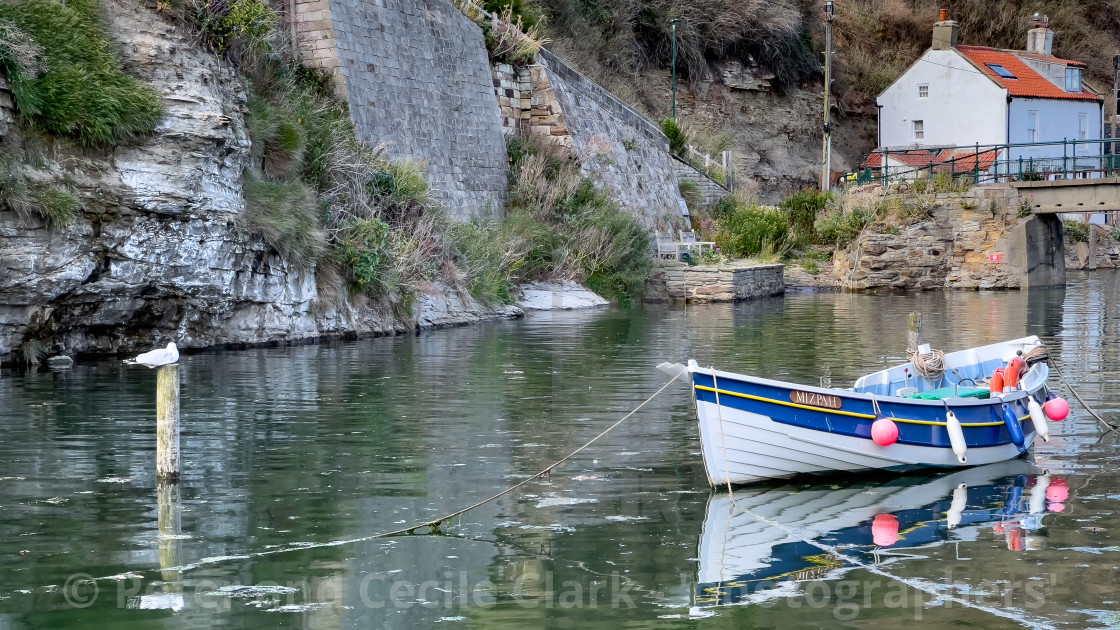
x=1073, y=80
x=923, y=91
x=919, y=129
x=1083, y=126
x=1032, y=126
x=1000, y=71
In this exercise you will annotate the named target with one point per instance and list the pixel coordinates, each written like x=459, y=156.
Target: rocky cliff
x=158, y=253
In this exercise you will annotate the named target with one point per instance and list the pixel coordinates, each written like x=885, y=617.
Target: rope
x=930, y=366
x=1073, y=391
x=434, y=525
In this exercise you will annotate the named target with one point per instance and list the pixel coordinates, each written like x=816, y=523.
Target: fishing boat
x=900, y=418
x=761, y=545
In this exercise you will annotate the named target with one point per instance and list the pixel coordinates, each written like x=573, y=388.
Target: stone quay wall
x=704, y=285
x=417, y=77
x=979, y=239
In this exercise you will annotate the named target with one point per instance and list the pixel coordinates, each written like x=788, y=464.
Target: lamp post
x=829, y=12
x=674, y=23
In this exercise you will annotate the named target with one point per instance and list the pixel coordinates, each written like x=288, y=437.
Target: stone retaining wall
x=979, y=239
x=417, y=77
x=703, y=285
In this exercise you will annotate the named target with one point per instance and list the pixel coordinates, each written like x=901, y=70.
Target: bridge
x=1071, y=195
x=1078, y=177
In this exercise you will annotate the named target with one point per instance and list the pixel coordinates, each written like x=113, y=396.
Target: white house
x=961, y=96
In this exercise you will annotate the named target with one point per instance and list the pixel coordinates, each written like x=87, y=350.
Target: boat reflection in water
x=747, y=558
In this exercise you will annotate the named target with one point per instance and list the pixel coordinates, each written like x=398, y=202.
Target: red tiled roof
x=1051, y=59
x=943, y=160
x=1027, y=83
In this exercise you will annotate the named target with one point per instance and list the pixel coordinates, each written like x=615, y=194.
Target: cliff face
x=157, y=254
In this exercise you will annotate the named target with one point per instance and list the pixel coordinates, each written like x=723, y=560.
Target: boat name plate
x=812, y=399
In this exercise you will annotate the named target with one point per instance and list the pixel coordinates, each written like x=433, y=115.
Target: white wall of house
x=963, y=106
x=1057, y=120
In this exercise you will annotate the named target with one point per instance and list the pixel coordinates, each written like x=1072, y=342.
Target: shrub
x=559, y=226
x=724, y=207
x=238, y=24
x=285, y=213
x=678, y=141
x=750, y=230
x=83, y=94
x=802, y=209
x=1076, y=231
x=58, y=206
x=840, y=226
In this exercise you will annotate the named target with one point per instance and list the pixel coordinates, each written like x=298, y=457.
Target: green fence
x=990, y=163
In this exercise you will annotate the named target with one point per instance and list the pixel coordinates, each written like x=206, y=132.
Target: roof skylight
x=1001, y=71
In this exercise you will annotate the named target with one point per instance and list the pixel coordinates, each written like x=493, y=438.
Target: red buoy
x=1011, y=374
x=884, y=530
x=997, y=382
x=884, y=431
x=1056, y=409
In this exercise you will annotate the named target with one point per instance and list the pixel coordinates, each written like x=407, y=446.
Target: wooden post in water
x=169, y=524
x=1092, y=241
x=167, y=423
x=914, y=333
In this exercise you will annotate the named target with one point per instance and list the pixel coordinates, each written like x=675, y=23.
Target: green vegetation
x=751, y=230
x=513, y=37
x=692, y=195
x=1076, y=231
x=560, y=226
x=678, y=141
x=65, y=76
x=805, y=227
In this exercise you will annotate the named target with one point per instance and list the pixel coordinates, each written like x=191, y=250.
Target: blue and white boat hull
x=753, y=429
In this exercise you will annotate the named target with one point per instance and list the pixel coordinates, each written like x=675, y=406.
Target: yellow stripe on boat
x=723, y=392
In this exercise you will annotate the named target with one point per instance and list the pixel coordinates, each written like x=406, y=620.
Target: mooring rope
x=435, y=524
x=1050, y=359
x=930, y=365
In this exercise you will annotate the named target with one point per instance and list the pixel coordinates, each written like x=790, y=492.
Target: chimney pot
x=945, y=32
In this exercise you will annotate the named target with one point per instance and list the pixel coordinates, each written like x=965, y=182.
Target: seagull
x=156, y=358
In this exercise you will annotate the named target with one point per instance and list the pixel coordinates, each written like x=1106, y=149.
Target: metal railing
x=992, y=163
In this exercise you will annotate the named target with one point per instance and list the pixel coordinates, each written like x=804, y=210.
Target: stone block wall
x=709, y=188
x=704, y=285
x=528, y=103
x=418, y=81
x=625, y=152
x=316, y=38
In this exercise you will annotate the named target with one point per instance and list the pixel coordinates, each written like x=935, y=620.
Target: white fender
x=1038, y=493
x=1039, y=419
x=960, y=502
x=956, y=436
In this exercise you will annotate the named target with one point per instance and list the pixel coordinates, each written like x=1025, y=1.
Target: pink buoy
x=1057, y=491
x=884, y=431
x=884, y=530
x=1056, y=409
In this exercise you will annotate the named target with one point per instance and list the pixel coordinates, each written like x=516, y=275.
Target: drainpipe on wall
x=879, y=125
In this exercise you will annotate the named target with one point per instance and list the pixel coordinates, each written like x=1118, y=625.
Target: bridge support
x=1036, y=246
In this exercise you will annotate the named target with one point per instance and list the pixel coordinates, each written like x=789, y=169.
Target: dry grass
x=878, y=39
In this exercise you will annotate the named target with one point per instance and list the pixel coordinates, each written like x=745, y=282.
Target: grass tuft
x=83, y=93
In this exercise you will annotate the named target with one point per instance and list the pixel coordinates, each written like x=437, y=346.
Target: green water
x=294, y=457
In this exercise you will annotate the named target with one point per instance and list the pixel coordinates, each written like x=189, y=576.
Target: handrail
x=983, y=162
